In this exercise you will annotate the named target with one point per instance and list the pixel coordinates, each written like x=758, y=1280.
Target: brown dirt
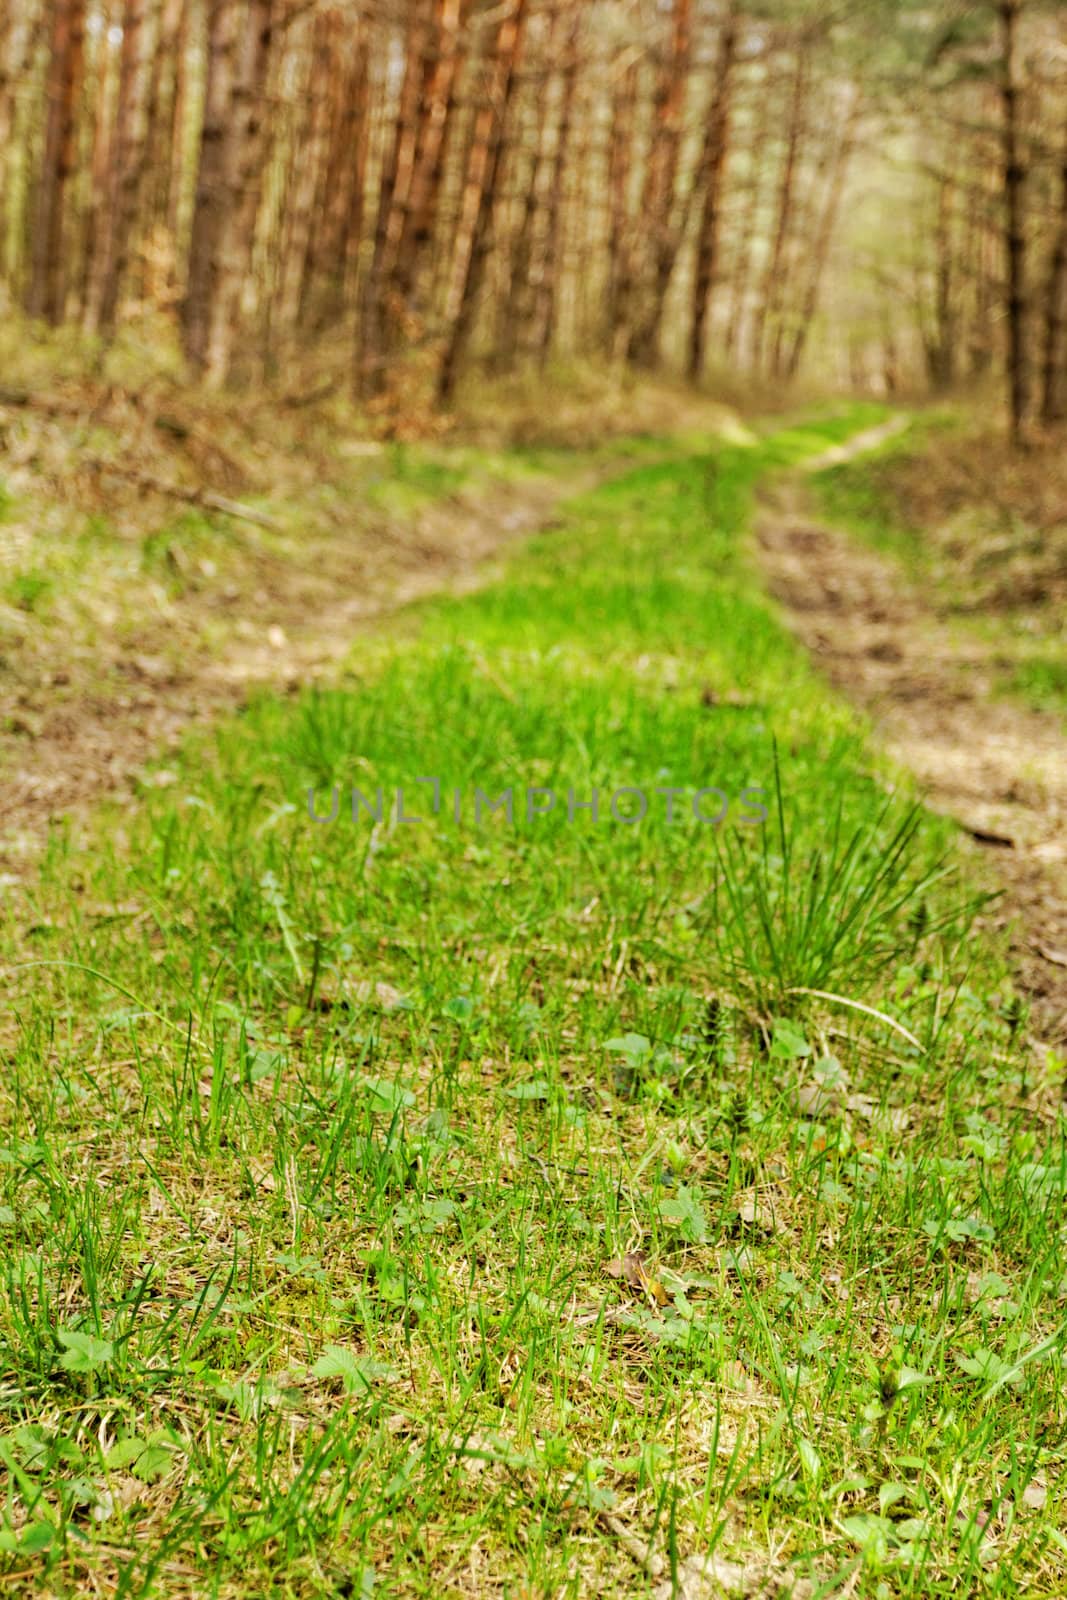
x=80, y=716
x=997, y=768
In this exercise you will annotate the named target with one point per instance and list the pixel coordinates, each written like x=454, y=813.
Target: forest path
x=996, y=767
x=89, y=713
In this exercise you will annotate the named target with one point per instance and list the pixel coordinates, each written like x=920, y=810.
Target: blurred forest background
x=873, y=195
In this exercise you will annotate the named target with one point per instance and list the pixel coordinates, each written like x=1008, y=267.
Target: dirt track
x=82, y=715
x=996, y=767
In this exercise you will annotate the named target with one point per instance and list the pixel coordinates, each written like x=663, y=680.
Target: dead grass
x=993, y=520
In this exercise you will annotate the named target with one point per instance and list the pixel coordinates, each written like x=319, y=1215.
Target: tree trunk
x=824, y=234
x=47, y=288
x=241, y=179
x=771, y=295
x=1014, y=217
x=176, y=142
x=392, y=189
x=158, y=272
x=621, y=242
x=657, y=208
x=516, y=313
x=6, y=108
x=550, y=271
x=126, y=165
x=472, y=237
x=209, y=206
x=310, y=156
x=338, y=241
x=419, y=213
x=742, y=264
x=1055, y=356
x=709, y=182
x=100, y=93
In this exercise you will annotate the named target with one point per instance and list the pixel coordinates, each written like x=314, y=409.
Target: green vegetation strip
x=491, y=1206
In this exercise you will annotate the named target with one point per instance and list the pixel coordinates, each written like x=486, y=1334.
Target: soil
x=80, y=716
x=996, y=767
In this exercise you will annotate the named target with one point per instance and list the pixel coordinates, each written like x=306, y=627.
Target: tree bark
x=741, y=273
x=771, y=295
x=241, y=178
x=621, y=241
x=709, y=182
x=47, y=287
x=472, y=238
x=126, y=165
x=209, y=206
x=99, y=93
x=419, y=212
x=1055, y=356
x=6, y=107
x=310, y=157
x=824, y=234
x=392, y=188
x=550, y=271
x=658, y=203
x=338, y=242
x=1014, y=174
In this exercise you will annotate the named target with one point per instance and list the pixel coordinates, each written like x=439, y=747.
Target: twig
x=635, y=1548
x=857, y=1005
x=193, y=497
x=984, y=836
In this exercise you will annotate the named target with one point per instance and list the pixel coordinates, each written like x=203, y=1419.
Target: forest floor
x=520, y=1203
x=134, y=604
x=996, y=766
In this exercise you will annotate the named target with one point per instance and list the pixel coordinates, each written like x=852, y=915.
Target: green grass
x=328, y=1149
x=1042, y=680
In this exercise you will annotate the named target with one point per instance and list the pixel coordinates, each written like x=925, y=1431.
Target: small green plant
x=841, y=911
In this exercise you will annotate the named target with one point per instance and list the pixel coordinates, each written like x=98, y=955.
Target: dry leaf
x=262, y=1175
x=705, y=1578
x=816, y=1099
x=633, y=1269
x=755, y=1210
x=380, y=994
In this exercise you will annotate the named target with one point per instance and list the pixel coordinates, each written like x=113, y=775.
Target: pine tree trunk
x=709, y=181
x=47, y=288
x=823, y=238
x=6, y=107
x=472, y=237
x=773, y=287
x=126, y=165
x=345, y=180
x=418, y=216
x=658, y=204
x=158, y=269
x=741, y=265
x=241, y=179
x=176, y=140
x=943, y=350
x=210, y=204
x=100, y=88
x=1015, y=221
x=392, y=191
x=620, y=241
x=514, y=315
x=550, y=272
x=1055, y=356
x=310, y=156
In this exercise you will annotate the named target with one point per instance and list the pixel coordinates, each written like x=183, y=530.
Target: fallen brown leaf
x=632, y=1269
